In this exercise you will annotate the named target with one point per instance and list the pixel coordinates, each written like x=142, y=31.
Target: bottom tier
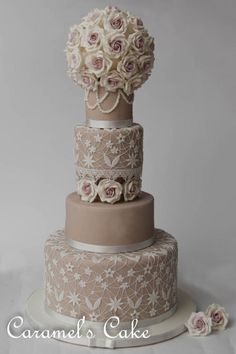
x=140, y=284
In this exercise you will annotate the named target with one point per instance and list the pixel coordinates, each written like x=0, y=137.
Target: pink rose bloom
x=128, y=66
x=112, y=81
x=218, y=316
x=199, y=324
x=138, y=41
x=109, y=191
x=73, y=59
x=93, y=38
x=115, y=45
x=116, y=21
x=98, y=63
x=87, y=81
x=87, y=189
x=74, y=37
x=145, y=63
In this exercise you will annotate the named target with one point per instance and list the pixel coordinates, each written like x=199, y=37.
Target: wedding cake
x=110, y=260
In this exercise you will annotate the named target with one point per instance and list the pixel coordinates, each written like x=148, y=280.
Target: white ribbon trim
x=110, y=249
x=98, y=326
x=109, y=124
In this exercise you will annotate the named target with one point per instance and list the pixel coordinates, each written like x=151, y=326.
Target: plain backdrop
x=187, y=109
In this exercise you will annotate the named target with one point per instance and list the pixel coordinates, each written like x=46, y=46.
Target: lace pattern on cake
x=108, y=153
x=139, y=284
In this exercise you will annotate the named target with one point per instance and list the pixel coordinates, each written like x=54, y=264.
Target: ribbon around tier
x=111, y=248
x=109, y=124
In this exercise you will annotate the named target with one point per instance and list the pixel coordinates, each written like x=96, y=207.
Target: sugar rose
x=199, y=324
x=218, y=316
x=132, y=189
x=115, y=44
x=87, y=80
x=128, y=66
x=112, y=81
x=87, y=189
x=109, y=191
x=98, y=63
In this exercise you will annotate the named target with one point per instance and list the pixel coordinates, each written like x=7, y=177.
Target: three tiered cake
x=110, y=260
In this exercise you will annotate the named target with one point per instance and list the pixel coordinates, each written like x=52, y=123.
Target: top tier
x=99, y=113
x=110, y=55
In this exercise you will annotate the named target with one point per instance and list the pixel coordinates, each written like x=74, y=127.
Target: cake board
x=39, y=318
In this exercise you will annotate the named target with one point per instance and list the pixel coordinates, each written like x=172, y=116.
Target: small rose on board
x=199, y=324
x=218, y=316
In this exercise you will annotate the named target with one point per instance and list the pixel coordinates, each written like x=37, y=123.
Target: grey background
x=187, y=109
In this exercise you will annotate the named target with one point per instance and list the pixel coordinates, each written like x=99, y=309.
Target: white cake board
x=39, y=318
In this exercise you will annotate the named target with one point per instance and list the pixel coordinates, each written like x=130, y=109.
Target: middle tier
x=101, y=227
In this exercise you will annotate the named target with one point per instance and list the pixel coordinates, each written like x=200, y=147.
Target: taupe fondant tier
x=122, y=113
x=110, y=225
x=140, y=284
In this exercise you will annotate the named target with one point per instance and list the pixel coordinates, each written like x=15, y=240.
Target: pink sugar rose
x=115, y=45
x=73, y=59
x=145, y=62
x=116, y=21
x=138, y=41
x=74, y=37
x=98, y=63
x=218, y=316
x=199, y=324
x=109, y=191
x=87, y=189
x=128, y=66
x=112, y=81
x=87, y=80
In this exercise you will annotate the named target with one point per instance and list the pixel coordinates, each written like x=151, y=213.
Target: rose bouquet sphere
x=110, y=48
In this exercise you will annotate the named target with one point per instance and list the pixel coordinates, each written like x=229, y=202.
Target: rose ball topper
x=112, y=50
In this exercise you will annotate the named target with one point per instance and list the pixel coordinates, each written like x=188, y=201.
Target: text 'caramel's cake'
x=110, y=259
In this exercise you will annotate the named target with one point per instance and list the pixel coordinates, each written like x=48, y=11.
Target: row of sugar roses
x=108, y=190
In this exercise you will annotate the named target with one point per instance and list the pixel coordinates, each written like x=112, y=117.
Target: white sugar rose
x=98, y=63
x=116, y=21
x=87, y=189
x=134, y=83
x=128, y=66
x=199, y=324
x=73, y=59
x=137, y=23
x=138, y=41
x=87, y=81
x=150, y=45
x=218, y=316
x=74, y=37
x=112, y=81
x=93, y=38
x=109, y=191
x=108, y=9
x=145, y=63
x=95, y=17
x=132, y=189
x=115, y=45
